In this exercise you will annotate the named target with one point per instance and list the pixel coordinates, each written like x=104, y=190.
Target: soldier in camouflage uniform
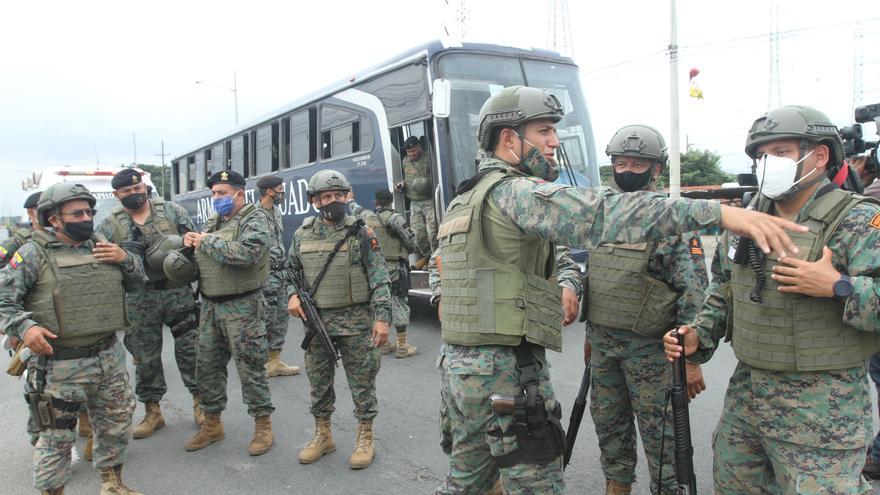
x=416, y=185
x=397, y=240
x=499, y=295
x=66, y=286
x=233, y=260
x=20, y=235
x=636, y=293
x=354, y=302
x=797, y=412
x=158, y=225
x=272, y=194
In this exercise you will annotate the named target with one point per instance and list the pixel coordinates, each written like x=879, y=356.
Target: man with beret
x=152, y=227
x=233, y=259
x=275, y=289
x=21, y=235
x=416, y=185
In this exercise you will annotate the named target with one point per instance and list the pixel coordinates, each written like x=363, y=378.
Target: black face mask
x=334, y=211
x=79, y=231
x=631, y=181
x=134, y=201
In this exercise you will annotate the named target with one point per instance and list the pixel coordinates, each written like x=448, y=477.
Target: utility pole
x=165, y=194
x=674, y=156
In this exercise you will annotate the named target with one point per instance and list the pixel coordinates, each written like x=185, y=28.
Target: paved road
x=408, y=456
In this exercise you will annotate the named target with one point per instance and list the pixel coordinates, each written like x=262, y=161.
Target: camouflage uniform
x=99, y=381
x=567, y=216
x=235, y=328
x=422, y=217
x=16, y=240
x=350, y=327
x=275, y=288
x=630, y=376
x=159, y=303
x=804, y=432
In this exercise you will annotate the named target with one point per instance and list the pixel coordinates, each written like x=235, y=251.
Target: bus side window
x=191, y=173
x=175, y=174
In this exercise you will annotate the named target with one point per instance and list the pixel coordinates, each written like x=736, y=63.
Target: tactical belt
x=231, y=297
x=68, y=353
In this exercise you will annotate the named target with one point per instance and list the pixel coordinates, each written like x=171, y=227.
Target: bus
x=358, y=126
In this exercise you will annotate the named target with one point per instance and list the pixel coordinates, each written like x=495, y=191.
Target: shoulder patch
x=16, y=260
x=371, y=236
x=3, y=253
x=696, y=248
x=875, y=221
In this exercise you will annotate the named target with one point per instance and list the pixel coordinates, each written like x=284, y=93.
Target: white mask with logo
x=776, y=175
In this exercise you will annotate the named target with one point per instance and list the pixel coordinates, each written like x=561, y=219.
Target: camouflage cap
x=514, y=106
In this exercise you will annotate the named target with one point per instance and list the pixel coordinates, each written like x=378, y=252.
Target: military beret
x=126, y=177
x=383, y=194
x=230, y=177
x=32, y=200
x=269, y=181
x=411, y=142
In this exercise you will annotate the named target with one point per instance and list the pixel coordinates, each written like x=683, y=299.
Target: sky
x=78, y=78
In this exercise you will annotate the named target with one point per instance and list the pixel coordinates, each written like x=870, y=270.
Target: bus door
x=423, y=132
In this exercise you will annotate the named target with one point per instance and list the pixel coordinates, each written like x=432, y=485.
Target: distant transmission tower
x=858, y=65
x=559, y=28
x=775, y=84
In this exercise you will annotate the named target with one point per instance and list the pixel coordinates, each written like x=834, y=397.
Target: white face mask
x=776, y=175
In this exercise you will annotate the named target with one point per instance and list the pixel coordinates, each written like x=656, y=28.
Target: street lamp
x=133, y=143
x=234, y=90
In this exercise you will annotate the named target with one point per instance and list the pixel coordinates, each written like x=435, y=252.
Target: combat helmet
x=514, y=106
x=180, y=267
x=639, y=141
x=795, y=122
x=155, y=254
x=328, y=180
x=56, y=195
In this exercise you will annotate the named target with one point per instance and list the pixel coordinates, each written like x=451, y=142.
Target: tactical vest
x=795, y=332
x=221, y=279
x=487, y=298
x=76, y=296
x=345, y=282
x=392, y=247
x=623, y=296
x=159, y=226
x=413, y=170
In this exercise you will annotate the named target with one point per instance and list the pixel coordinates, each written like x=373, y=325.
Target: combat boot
x=321, y=445
x=53, y=491
x=262, y=441
x=496, y=489
x=111, y=482
x=276, y=367
x=617, y=488
x=85, y=427
x=362, y=455
x=418, y=265
x=404, y=350
x=210, y=431
x=198, y=415
x=152, y=422
x=388, y=348
x=87, y=450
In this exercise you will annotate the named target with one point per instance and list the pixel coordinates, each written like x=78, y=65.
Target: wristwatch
x=842, y=288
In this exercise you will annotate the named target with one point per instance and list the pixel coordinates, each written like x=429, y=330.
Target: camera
x=853, y=136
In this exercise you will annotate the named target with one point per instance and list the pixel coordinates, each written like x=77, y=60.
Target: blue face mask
x=223, y=205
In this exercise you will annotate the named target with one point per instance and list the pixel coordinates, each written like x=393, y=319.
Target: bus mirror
x=442, y=93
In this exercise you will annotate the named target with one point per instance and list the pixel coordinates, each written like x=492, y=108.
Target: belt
x=67, y=353
x=231, y=297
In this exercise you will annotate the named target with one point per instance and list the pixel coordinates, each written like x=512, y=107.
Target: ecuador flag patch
x=16, y=260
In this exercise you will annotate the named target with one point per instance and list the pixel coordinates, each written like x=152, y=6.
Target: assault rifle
x=312, y=321
x=577, y=414
x=685, y=479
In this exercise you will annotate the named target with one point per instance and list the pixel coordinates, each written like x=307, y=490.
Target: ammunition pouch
x=16, y=364
x=401, y=286
x=45, y=409
x=42, y=412
x=539, y=435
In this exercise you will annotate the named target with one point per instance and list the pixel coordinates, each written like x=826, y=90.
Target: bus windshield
x=475, y=77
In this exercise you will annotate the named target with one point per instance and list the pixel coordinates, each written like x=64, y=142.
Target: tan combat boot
x=152, y=422
x=418, y=265
x=321, y=445
x=111, y=482
x=388, y=348
x=404, y=350
x=53, y=491
x=262, y=441
x=276, y=367
x=617, y=488
x=198, y=415
x=85, y=427
x=496, y=489
x=87, y=450
x=210, y=431
x=362, y=455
